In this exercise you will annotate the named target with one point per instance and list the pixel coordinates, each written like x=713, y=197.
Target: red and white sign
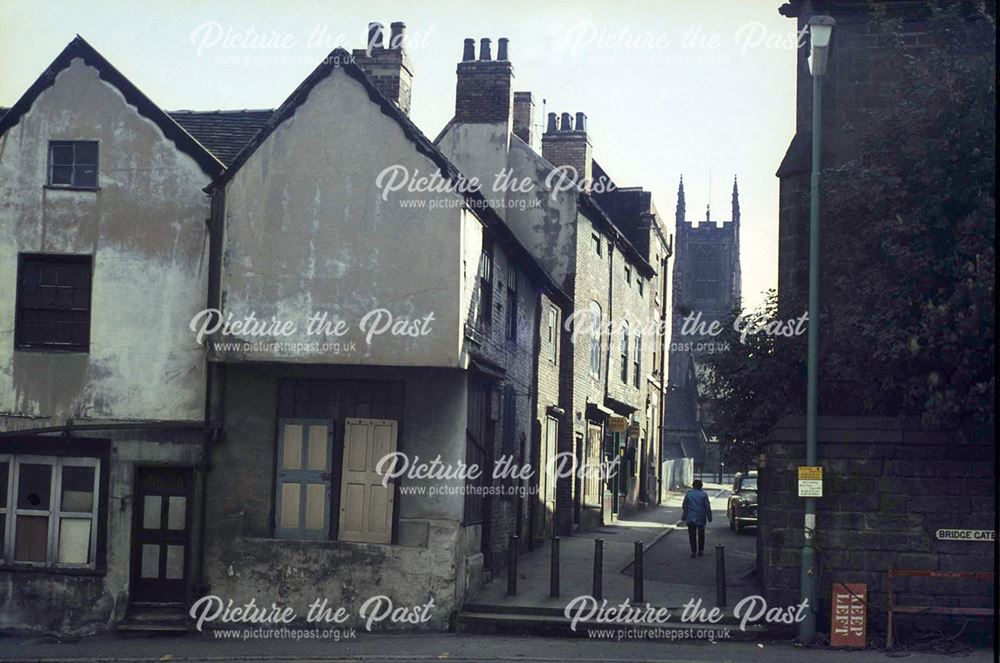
x=849, y=618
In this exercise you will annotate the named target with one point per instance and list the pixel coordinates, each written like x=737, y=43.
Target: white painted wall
x=307, y=231
x=145, y=228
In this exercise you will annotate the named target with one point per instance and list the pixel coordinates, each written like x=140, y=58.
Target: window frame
x=23, y=259
x=595, y=338
x=553, y=329
x=484, y=318
x=624, y=352
x=596, y=237
x=54, y=513
x=73, y=185
x=512, y=312
x=637, y=358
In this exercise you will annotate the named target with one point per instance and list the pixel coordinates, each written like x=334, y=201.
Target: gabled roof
x=223, y=132
x=340, y=58
x=79, y=48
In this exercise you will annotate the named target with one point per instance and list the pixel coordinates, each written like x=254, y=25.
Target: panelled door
x=366, y=505
x=161, y=534
x=305, y=457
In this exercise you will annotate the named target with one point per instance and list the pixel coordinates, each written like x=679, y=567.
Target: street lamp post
x=820, y=32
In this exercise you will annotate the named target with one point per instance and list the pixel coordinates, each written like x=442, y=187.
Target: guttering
x=69, y=427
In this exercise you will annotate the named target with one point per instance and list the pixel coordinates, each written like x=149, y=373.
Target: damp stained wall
x=307, y=232
x=145, y=228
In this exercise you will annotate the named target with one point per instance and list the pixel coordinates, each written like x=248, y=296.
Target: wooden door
x=161, y=534
x=366, y=505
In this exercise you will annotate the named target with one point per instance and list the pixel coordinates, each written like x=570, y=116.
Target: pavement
x=434, y=647
x=672, y=577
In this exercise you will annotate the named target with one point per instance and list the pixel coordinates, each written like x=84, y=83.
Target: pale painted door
x=366, y=505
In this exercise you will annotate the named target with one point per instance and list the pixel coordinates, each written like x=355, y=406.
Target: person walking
x=696, y=511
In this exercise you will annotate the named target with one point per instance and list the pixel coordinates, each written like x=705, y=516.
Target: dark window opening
x=624, y=355
x=53, y=302
x=512, y=306
x=73, y=163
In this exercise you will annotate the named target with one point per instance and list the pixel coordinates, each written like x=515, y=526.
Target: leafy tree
x=909, y=261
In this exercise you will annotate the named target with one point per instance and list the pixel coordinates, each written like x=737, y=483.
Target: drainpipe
x=536, y=437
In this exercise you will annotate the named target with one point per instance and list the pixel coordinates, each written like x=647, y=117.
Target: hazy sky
x=668, y=86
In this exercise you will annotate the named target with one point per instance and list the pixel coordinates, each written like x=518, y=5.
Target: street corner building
x=102, y=388
x=144, y=464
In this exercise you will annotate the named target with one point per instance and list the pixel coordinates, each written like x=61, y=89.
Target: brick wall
x=548, y=396
x=888, y=487
x=485, y=93
x=517, y=356
x=572, y=149
x=390, y=71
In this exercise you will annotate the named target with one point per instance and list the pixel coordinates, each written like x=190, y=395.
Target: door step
x=147, y=617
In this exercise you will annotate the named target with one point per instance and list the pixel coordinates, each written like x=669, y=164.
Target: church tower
x=707, y=280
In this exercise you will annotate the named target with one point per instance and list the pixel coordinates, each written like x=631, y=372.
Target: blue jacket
x=696, y=509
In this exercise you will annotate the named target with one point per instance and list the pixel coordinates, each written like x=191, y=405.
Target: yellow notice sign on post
x=810, y=481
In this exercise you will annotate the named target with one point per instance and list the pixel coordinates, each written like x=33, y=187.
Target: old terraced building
x=606, y=247
x=167, y=435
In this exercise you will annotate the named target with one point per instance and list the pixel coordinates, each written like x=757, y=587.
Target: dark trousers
x=696, y=536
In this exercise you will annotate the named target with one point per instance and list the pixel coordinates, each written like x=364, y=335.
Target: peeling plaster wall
x=244, y=561
x=307, y=231
x=146, y=229
x=78, y=603
x=543, y=223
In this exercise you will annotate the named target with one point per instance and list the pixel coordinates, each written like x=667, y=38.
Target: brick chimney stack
x=387, y=64
x=524, y=117
x=485, y=92
x=566, y=144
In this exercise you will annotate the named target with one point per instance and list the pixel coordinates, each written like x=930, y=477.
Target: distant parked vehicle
x=742, y=507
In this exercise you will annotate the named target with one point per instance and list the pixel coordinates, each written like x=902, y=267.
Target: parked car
x=742, y=507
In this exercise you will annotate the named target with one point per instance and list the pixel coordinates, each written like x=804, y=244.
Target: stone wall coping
x=868, y=430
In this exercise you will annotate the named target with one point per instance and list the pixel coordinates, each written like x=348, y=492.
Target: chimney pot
x=484, y=49
x=469, y=50
x=374, y=35
x=550, y=128
x=502, y=48
x=569, y=148
x=398, y=33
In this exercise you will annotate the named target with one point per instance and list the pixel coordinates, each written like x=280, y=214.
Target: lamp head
x=820, y=34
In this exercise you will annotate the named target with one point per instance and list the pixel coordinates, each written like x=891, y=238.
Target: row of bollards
x=638, y=594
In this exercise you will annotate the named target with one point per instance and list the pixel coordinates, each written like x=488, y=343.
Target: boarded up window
x=53, y=302
x=303, y=486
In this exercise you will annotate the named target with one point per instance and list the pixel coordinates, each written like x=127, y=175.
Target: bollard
x=512, y=567
x=554, y=569
x=720, y=575
x=598, y=569
x=637, y=574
